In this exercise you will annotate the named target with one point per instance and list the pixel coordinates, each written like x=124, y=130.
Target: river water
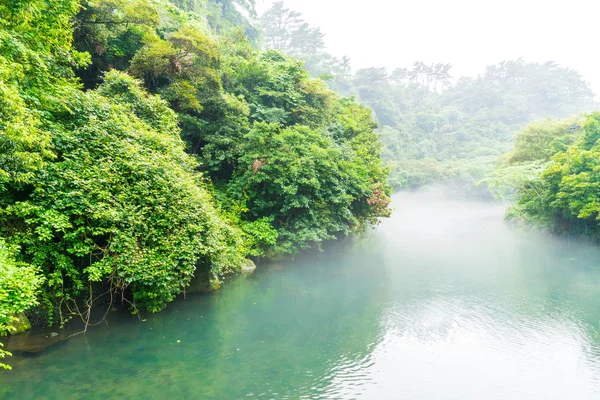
x=442, y=301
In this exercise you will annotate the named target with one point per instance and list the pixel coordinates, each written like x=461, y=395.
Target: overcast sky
x=469, y=34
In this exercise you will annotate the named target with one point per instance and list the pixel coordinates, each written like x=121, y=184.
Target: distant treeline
x=435, y=128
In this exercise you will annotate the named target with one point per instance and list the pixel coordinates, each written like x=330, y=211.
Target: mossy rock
x=203, y=283
x=248, y=267
x=19, y=324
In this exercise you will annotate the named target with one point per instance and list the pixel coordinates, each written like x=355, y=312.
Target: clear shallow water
x=442, y=301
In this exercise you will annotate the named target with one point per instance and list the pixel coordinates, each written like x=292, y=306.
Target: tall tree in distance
x=287, y=31
x=434, y=77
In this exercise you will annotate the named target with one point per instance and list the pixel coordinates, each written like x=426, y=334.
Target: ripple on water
x=462, y=338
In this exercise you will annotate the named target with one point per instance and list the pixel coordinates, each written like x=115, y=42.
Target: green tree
x=533, y=149
x=112, y=31
x=567, y=196
x=286, y=30
x=304, y=184
x=35, y=78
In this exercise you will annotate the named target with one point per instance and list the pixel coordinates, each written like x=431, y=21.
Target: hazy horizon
x=468, y=34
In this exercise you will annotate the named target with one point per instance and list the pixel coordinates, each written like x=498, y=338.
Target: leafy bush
x=122, y=203
x=567, y=196
x=19, y=286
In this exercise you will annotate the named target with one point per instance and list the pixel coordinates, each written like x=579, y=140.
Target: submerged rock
x=31, y=343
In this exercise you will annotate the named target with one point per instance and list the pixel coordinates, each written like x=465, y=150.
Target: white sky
x=469, y=34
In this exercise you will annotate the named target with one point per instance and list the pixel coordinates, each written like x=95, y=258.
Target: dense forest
x=145, y=143
x=436, y=128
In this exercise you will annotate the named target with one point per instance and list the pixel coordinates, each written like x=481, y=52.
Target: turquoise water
x=442, y=301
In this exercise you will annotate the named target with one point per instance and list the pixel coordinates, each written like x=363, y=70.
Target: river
x=442, y=301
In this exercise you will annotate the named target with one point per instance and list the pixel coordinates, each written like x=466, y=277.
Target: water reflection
x=481, y=310
x=442, y=301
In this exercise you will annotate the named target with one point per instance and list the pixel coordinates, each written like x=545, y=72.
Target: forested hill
x=434, y=127
x=148, y=142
